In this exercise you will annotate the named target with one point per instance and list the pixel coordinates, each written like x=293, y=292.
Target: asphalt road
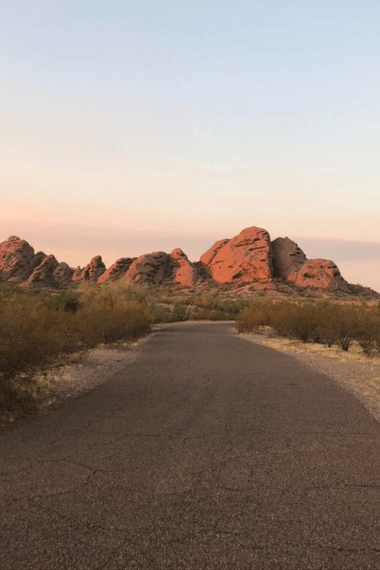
x=207, y=452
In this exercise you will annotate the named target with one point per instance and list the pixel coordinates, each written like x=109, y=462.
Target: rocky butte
x=249, y=260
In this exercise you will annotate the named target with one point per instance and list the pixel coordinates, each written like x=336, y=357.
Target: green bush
x=66, y=301
x=180, y=313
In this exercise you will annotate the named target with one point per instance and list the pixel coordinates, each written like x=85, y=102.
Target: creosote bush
x=36, y=328
x=317, y=321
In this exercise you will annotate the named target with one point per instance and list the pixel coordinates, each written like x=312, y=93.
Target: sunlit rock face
x=319, y=274
x=183, y=272
x=244, y=259
x=150, y=268
x=16, y=260
x=287, y=257
x=207, y=257
x=117, y=270
x=91, y=272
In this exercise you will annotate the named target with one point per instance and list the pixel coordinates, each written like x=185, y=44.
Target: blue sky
x=132, y=126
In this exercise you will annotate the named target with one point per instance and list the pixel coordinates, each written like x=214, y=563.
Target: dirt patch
x=352, y=370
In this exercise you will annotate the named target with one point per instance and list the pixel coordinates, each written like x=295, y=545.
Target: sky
x=128, y=127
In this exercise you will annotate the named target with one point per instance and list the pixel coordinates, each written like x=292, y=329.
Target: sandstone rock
x=287, y=257
x=244, y=259
x=91, y=272
x=207, y=257
x=152, y=268
x=319, y=274
x=38, y=259
x=117, y=270
x=183, y=271
x=16, y=258
x=63, y=274
x=43, y=275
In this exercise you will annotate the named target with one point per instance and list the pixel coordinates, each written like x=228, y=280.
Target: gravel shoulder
x=351, y=370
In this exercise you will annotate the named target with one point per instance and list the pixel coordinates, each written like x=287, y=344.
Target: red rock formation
x=287, y=257
x=247, y=259
x=150, y=268
x=43, y=273
x=91, y=272
x=16, y=258
x=183, y=271
x=63, y=274
x=243, y=259
x=117, y=270
x=50, y=273
x=37, y=259
x=319, y=274
x=207, y=257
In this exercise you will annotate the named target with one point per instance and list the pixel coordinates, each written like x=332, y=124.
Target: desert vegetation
x=38, y=327
x=320, y=321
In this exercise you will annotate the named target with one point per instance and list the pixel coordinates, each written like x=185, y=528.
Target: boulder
x=183, y=271
x=152, y=268
x=319, y=274
x=16, y=260
x=117, y=270
x=246, y=258
x=91, y=272
x=287, y=257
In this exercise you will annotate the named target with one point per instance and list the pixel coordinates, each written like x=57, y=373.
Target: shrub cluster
x=324, y=322
x=35, y=328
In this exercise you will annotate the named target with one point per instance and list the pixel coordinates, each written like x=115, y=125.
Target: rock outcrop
x=16, y=260
x=248, y=260
x=207, y=257
x=160, y=267
x=91, y=272
x=291, y=264
x=184, y=272
x=150, y=268
x=50, y=273
x=319, y=274
x=287, y=257
x=117, y=270
x=243, y=259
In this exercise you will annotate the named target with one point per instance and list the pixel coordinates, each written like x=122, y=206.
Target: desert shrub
x=34, y=330
x=209, y=315
x=210, y=298
x=180, y=313
x=259, y=313
x=344, y=322
x=160, y=314
x=68, y=301
x=317, y=321
x=297, y=321
x=368, y=330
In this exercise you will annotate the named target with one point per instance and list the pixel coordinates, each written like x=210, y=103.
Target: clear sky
x=132, y=126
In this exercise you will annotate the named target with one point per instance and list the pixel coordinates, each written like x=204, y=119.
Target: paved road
x=207, y=452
